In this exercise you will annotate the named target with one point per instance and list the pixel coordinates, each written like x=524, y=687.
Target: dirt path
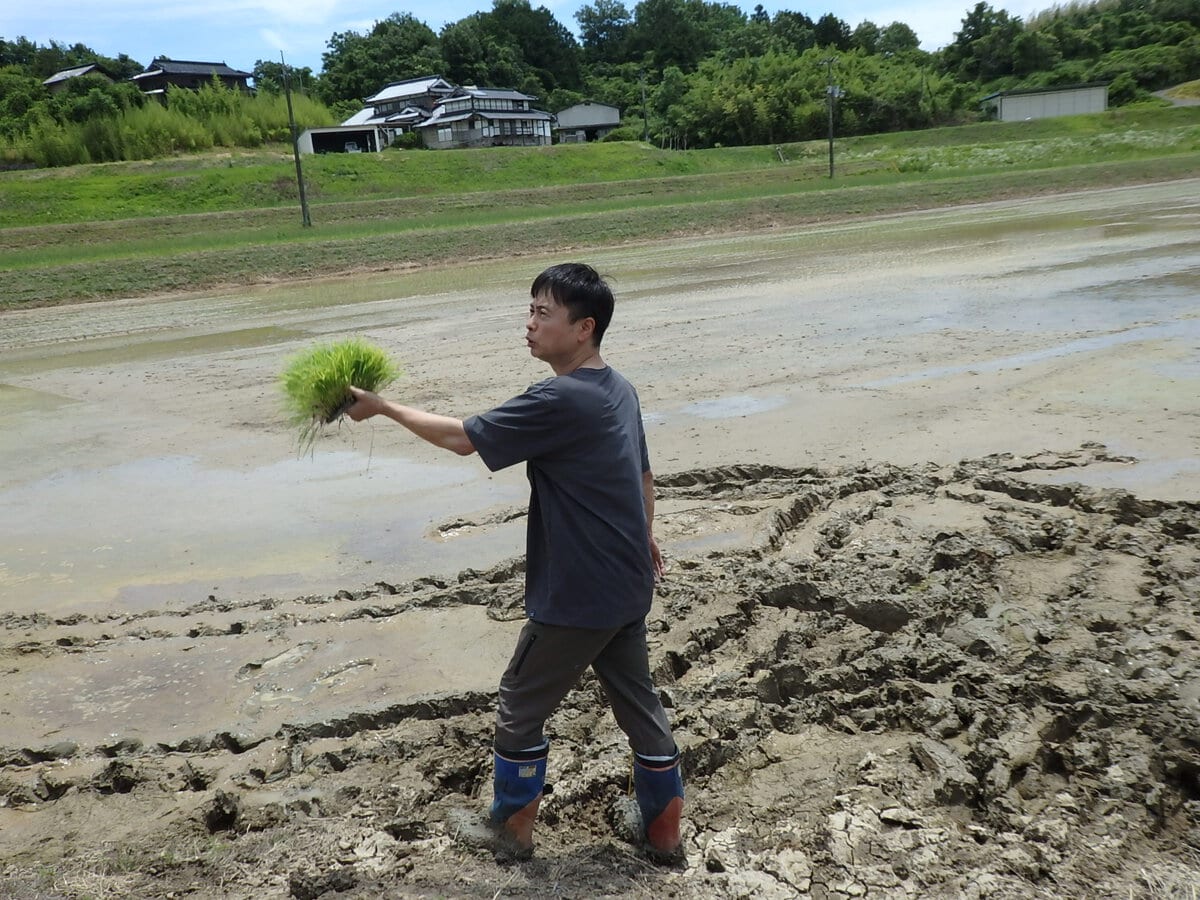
x=930, y=498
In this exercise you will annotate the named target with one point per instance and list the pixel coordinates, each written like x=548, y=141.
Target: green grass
x=1189, y=90
x=130, y=229
x=316, y=383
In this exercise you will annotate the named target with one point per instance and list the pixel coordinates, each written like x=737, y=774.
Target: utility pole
x=831, y=93
x=645, y=121
x=287, y=89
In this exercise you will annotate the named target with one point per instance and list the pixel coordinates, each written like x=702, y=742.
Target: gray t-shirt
x=588, y=554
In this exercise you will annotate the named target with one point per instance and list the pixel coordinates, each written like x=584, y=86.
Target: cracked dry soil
x=886, y=682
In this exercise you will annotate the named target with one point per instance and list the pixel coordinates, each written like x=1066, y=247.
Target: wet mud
x=886, y=681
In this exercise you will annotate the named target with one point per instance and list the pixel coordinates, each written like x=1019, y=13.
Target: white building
x=586, y=121
x=1067, y=100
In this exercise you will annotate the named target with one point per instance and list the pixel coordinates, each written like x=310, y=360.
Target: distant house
x=182, y=73
x=444, y=114
x=1045, y=103
x=485, y=117
x=58, y=81
x=402, y=104
x=586, y=121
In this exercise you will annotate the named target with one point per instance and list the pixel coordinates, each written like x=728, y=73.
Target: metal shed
x=587, y=121
x=1066, y=100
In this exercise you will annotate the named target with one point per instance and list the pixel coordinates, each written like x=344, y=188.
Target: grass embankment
x=1189, y=90
x=130, y=229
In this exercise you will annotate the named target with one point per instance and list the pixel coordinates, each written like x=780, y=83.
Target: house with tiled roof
x=59, y=80
x=390, y=111
x=443, y=114
x=401, y=104
x=190, y=74
x=486, y=117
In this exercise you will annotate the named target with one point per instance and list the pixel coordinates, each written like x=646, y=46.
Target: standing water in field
x=147, y=460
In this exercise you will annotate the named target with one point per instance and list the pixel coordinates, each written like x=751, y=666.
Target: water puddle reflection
x=1187, y=329
x=189, y=529
x=732, y=407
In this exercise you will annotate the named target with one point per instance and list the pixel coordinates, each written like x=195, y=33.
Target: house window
x=445, y=135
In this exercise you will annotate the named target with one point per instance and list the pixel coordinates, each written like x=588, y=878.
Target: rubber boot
x=519, y=782
x=659, y=789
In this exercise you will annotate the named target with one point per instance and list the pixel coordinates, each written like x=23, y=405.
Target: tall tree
x=543, y=42
x=1034, y=51
x=475, y=56
x=832, y=32
x=268, y=77
x=603, y=29
x=866, y=37
x=666, y=33
x=358, y=65
x=42, y=62
x=982, y=49
x=897, y=38
x=792, y=31
x=682, y=32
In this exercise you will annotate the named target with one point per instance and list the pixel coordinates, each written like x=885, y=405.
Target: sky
x=241, y=32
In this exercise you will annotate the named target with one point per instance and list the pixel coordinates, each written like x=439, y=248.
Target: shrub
x=624, y=133
x=102, y=138
x=51, y=144
x=409, y=140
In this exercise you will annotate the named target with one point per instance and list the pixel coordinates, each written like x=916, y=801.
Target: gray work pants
x=548, y=662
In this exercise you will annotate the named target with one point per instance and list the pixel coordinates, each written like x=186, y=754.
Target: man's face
x=549, y=332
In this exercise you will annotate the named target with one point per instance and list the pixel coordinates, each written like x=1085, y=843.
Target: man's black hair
x=582, y=290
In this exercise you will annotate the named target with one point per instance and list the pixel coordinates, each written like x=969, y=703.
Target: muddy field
x=930, y=626
x=908, y=682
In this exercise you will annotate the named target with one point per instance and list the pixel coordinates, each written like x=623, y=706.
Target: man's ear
x=587, y=327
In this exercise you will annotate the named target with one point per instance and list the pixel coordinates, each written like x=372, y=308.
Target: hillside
x=218, y=220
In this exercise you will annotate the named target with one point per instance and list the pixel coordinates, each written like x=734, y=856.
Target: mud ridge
x=899, y=682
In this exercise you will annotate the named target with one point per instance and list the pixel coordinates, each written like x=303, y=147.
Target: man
x=591, y=557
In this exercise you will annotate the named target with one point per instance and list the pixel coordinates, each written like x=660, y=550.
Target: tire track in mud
x=910, y=682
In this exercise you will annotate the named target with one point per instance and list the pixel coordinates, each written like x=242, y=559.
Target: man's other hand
x=657, y=559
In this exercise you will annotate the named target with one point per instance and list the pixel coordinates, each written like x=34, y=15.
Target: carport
x=342, y=139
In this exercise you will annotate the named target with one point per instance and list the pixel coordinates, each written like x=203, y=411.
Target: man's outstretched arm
x=441, y=431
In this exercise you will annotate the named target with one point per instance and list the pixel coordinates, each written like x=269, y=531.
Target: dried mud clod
x=901, y=682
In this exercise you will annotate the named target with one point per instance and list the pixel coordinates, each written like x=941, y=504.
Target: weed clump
x=316, y=383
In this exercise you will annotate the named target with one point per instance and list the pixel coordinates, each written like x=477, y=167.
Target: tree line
x=689, y=73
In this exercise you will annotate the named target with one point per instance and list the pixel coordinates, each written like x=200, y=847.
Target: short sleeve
x=533, y=424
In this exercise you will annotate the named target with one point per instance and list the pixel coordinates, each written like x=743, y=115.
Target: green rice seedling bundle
x=316, y=382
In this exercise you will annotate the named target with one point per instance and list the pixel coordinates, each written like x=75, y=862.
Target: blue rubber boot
x=519, y=781
x=659, y=788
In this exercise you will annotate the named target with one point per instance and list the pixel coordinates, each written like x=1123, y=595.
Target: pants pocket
x=524, y=653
